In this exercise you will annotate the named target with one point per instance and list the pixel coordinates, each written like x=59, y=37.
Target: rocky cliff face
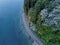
x=52, y=17
x=45, y=16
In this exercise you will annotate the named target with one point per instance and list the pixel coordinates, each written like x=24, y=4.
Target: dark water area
x=12, y=31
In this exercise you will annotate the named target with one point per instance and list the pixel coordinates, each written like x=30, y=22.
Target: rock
x=44, y=13
x=53, y=16
x=32, y=26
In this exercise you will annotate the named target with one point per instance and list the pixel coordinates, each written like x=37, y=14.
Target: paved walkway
x=34, y=37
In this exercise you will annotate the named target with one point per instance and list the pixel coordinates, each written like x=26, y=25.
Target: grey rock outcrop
x=53, y=18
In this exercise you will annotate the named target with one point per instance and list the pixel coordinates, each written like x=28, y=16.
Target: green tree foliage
x=33, y=9
x=28, y=4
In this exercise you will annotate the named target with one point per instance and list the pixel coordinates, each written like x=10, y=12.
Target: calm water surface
x=12, y=31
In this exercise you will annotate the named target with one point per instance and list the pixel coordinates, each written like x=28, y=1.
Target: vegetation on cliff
x=45, y=14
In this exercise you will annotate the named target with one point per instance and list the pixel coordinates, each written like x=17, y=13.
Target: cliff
x=45, y=15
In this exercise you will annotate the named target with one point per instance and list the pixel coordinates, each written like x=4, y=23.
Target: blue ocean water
x=12, y=31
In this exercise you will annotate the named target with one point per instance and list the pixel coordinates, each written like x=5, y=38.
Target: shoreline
x=34, y=37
